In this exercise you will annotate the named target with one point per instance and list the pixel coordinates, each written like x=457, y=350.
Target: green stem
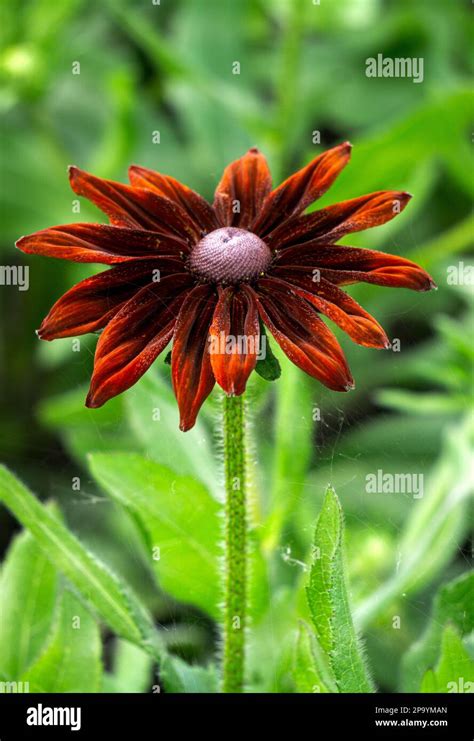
x=235, y=599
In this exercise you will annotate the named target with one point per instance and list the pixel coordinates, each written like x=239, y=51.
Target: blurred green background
x=146, y=68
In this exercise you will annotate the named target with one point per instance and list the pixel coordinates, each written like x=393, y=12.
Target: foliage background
x=168, y=68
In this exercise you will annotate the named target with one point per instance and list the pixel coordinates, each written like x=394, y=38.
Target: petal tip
x=135, y=169
x=350, y=386
x=74, y=174
x=45, y=331
x=92, y=402
x=404, y=197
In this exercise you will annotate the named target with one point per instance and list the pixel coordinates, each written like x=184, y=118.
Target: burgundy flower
x=191, y=273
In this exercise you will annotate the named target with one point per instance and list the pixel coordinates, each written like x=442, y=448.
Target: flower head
x=191, y=273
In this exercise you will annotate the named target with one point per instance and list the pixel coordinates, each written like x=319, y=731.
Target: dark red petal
x=234, y=338
x=301, y=189
x=100, y=243
x=331, y=223
x=93, y=302
x=246, y=181
x=304, y=338
x=191, y=370
x=196, y=207
x=335, y=304
x=345, y=265
x=133, y=207
x=135, y=337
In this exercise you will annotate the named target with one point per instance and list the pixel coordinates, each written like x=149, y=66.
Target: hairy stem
x=235, y=604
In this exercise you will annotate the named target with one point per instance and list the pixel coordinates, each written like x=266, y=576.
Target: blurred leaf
x=293, y=426
x=390, y=435
x=381, y=514
x=451, y=369
x=457, y=335
x=271, y=644
x=194, y=679
x=456, y=239
x=389, y=158
x=69, y=411
x=81, y=440
x=46, y=20
x=120, y=133
x=329, y=602
x=131, y=671
x=454, y=603
x=229, y=106
x=84, y=430
x=139, y=27
x=428, y=403
x=439, y=517
x=180, y=519
x=433, y=531
x=71, y=661
x=311, y=669
x=154, y=418
x=28, y=587
x=455, y=669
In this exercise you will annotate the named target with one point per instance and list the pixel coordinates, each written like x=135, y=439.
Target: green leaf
x=311, y=669
x=180, y=519
x=329, y=602
x=28, y=587
x=268, y=367
x=455, y=669
x=118, y=607
x=71, y=661
x=454, y=603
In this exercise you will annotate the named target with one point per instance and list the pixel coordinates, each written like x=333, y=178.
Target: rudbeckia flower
x=188, y=272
